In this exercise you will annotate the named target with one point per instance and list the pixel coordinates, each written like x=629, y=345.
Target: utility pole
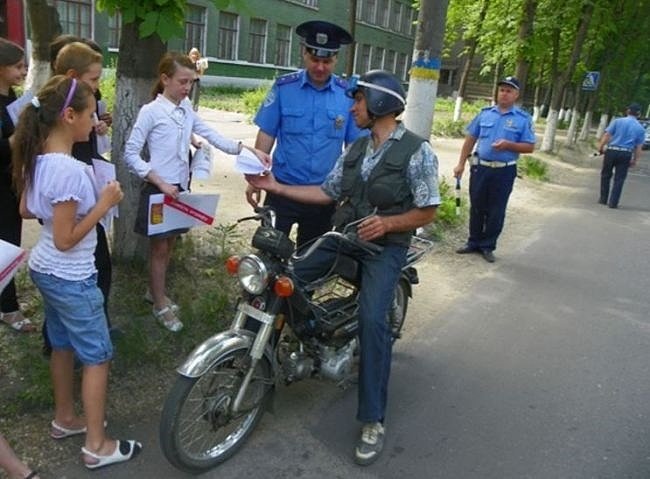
x=425, y=68
x=349, y=70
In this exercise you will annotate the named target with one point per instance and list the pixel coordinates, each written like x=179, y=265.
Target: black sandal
x=31, y=475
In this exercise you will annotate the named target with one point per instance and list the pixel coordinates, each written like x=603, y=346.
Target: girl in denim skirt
x=60, y=191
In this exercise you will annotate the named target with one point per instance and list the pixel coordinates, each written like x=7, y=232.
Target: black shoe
x=466, y=250
x=613, y=206
x=602, y=202
x=488, y=255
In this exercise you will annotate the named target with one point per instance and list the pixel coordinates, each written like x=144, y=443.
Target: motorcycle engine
x=336, y=363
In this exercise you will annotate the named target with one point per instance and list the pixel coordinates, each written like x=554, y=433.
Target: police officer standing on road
x=624, y=139
x=503, y=131
x=307, y=116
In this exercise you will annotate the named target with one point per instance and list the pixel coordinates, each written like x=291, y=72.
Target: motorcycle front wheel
x=397, y=313
x=198, y=429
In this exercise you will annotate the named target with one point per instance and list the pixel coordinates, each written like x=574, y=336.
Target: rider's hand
x=372, y=228
x=253, y=196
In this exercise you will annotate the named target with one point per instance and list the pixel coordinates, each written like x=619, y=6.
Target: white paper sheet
x=16, y=107
x=249, y=164
x=190, y=210
x=103, y=173
x=11, y=256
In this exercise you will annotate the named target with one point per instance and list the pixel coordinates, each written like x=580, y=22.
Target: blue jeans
x=489, y=190
x=379, y=276
x=617, y=162
x=74, y=313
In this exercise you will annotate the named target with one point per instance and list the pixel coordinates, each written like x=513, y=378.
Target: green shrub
x=253, y=99
x=532, y=167
x=448, y=128
x=446, y=215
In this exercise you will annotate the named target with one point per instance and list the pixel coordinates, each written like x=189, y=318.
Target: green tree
x=147, y=25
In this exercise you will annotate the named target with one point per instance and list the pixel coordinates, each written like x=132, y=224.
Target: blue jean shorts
x=74, y=311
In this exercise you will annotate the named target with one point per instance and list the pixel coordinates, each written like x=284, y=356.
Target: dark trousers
x=312, y=220
x=489, y=190
x=379, y=276
x=104, y=278
x=10, y=230
x=616, y=163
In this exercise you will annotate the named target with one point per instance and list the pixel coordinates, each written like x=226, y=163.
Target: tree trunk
x=524, y=36
x=602, y=124
x=45, y=27
x=471, y=44
x=135, y=75
x=571, y=135
x=564, y=77
x=586, y=125
x=425, y=71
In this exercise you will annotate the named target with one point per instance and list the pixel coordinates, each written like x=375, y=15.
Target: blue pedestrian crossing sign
x=590, y=83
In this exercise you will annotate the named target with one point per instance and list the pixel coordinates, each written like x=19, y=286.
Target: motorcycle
x=281, y=332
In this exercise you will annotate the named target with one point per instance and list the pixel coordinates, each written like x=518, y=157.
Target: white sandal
x=124, y=450
x=149, y=299
x=18, y=322
x=168, y=319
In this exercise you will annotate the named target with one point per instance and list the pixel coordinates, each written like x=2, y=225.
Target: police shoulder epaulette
x=340, y=82
x=522, y=112
x=288, y=78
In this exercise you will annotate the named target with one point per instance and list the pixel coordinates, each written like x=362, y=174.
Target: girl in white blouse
x=59, y=190
x=166, y=125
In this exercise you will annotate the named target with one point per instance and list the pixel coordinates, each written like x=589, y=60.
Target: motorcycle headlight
x=253, y=274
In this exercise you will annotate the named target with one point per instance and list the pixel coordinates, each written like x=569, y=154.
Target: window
x=383, y=13
x=257, y=41
x=377, y=58
x=396, y=16
x=195, y=27
x=228, y=35
x=363, y=59
x=405, y=27
x=75, y=16
x=309, y=3
x=114, y=28
x=401, y=69
x=389, y=61
x=368, y=8
x=283, y=46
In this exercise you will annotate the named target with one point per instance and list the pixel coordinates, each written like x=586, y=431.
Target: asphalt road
x=538, y=370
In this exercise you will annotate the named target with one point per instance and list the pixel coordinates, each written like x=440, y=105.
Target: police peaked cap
x=323, y=39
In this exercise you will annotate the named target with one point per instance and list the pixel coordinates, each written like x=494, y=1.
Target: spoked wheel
x=398, y=310
x=198, y=429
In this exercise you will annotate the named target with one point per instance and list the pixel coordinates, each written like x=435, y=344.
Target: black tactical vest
x=390, y=171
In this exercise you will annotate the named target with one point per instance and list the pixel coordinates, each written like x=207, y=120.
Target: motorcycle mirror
x=381, y=196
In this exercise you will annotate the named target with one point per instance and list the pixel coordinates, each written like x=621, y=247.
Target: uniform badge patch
x=321, y=38
x=339, y=121
x=270, y=97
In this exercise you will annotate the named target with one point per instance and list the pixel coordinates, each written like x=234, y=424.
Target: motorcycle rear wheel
x=197, y=428
x=397, y=313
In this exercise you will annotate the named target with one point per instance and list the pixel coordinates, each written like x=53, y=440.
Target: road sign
x=590, y=83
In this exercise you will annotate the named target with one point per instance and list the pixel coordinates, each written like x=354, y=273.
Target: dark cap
x=510, y=81
x=323, y=39
x=634, y=108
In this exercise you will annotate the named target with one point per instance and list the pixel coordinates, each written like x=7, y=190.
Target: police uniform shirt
x=626, y=133
x=491, y=125
x=310, y=126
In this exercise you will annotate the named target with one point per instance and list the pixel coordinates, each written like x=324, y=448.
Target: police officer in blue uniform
x=307, y=116
x=502, y=131
x=623, y=138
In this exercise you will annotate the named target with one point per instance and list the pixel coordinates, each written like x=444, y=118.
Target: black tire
x=197, y=431
x=397, y=312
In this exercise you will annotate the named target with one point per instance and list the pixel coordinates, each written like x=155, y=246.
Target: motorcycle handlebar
x=350, y=237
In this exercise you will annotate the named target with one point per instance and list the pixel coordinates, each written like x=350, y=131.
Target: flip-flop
x=31, y=475
x=124, y=450
x=18, y=322
x=60, y=432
